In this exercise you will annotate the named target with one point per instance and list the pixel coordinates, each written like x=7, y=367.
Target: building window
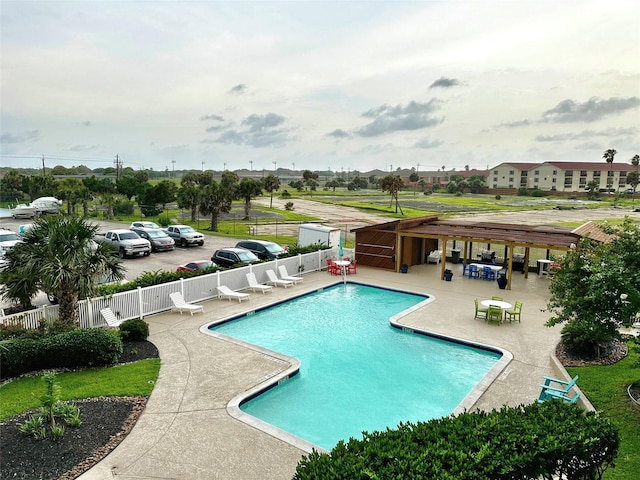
x=555, y=172
x=553, y=180
x=495, y=172
x=495, y=179
x=523, y=174
x=537, y=172
x=510, y=180
x=583, y=181
x=535, y=180
x=510, y=172
x=596, y=174
x=583, y=173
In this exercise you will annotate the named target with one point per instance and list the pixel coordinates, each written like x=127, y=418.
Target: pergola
x=392, y=244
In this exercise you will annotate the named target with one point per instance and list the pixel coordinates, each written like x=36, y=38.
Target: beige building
x=560, y=176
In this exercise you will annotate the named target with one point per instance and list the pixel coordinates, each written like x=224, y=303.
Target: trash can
x=455, y=256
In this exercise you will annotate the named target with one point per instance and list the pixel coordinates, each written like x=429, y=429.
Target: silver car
x=159, y=239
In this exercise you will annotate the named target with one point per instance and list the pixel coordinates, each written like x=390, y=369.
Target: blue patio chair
x=464, y=268
x=554, y=388
x=488, y=274
x=473, y=271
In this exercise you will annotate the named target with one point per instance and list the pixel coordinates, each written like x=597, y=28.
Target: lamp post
x=275, y=166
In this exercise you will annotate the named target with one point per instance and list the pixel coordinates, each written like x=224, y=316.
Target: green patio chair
x=481, y=312
x=513, y=315
x=494, y=315
x=496, y=298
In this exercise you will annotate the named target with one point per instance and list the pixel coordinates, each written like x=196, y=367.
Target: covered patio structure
x=408, y=242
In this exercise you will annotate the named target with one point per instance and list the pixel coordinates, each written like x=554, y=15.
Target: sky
x=341, y=85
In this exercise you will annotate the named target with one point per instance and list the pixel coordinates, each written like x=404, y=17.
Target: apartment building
x=560, y=176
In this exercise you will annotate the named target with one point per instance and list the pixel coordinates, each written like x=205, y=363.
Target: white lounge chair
x=110, y=317
x=284, y=275
x=180, y=304
x=435, y=257
x=226, y=292
x=254, y=285
x=275, y=281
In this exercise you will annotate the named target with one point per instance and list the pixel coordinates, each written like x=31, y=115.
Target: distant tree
x=457, y=184
x=414, y=177
x=592, y=189
x=332, y=184
x=477, y=183
x=57, y=255
x=163, y=192
x=608, y=156
x=133, y=184
x=271, y=184
x=248, y=189
x=422, y=184
x=13, y=186
x=189, y=197
x=297, y=184
x=393, y=184
x=42, y=186
x=632, y=179
x=308, y=176
x=216, y=198
x=635, y=161
x=73, y=191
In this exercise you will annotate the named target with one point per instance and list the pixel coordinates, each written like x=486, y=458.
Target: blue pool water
x=357, y=372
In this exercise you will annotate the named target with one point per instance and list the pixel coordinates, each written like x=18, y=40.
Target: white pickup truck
x=125, y=242
x=185, y=235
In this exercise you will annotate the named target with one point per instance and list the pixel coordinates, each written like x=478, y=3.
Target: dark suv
x=227, y=257
x=262, y=249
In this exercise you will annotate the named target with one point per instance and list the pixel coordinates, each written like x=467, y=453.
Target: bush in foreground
x=551, y=440
x=134, y=330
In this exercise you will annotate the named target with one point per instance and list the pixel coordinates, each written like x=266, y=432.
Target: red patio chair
x=332, y=268
x=352, y=268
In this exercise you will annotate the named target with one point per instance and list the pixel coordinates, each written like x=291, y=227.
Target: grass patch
x=133, y=379
x=606, y=388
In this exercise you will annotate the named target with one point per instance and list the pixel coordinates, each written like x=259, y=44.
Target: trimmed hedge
x=134, y=330
x=77, y=348
x=553, y=439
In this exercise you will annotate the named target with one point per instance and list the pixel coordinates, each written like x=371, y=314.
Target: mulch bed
x=106, y=421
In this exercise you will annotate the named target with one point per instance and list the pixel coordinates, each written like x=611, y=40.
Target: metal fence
x=146, y=301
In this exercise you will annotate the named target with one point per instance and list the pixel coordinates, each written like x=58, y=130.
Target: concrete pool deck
x=186, y=432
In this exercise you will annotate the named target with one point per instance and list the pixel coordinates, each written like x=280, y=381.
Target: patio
x=186, y=431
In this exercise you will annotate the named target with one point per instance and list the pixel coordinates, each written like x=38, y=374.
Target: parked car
x=227, y=257
x=8, y=238
x=185, y=235
x=262, y=249
x=197, y=265
x=125, y=242
x=144, y=225
x=159, y=239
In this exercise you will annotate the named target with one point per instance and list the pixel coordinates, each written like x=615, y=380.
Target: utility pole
x=118, y=163
x=43, y=169
x=203, y=165
x=251, y=165
x=275, y=166
x=173, y=168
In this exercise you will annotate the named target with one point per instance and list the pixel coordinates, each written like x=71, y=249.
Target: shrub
x=17, y=330
x=288, y=206
x=78, y=348
x=498, y=197
x=537, y=193
x=134, y=330
x=551, y=440
x=285, y=194
x=164, y=220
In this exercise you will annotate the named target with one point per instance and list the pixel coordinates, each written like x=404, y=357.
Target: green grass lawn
x=133, y=379
x=606, y=388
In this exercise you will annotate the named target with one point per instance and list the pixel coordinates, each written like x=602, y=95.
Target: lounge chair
x=284, y=275
x=481, y=312
x=226, y=292
x=255, y=286
x=552, y=387
x=180, y=304
x=275, y=281
x=110, y=317
x=435, y=256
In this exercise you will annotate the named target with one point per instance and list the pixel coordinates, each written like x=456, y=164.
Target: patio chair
x=352, y=269
x=473, y=271
x=481, y=312
x=284, y=275
x=488, y=274
x=275, y=281
x=561, y=396
x=180, y=304
x=464, y=268
x=494, y=315
x=332, y=268
x=496, y=298
x=226, y=292
x=435, y=256
x=254, y=285
x=110, y=317
x=553, y=386
x=513, y=315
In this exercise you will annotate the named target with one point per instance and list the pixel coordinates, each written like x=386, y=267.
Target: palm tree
x=58, y=256
x=247, y=190
x=608, y=156
x=635, y=161
x=217, y=197
x=271, y=184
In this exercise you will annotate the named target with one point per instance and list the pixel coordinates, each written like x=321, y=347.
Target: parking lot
x=135, y=266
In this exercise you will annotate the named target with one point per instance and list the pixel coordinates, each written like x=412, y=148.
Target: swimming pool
x=357, y=372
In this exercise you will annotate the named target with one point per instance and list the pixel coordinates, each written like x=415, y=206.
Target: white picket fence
x=146, y=301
